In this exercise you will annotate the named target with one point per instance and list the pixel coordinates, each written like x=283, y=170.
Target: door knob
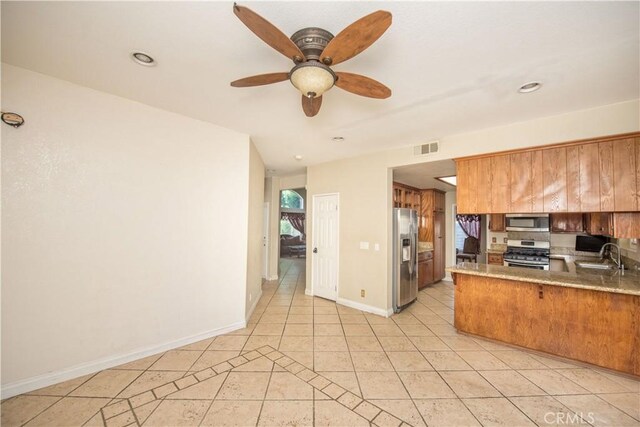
x=315, y=250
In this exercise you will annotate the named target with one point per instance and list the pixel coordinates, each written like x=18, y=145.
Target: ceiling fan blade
x=356, y=37
x=361, y=85
x=311, y=106
x=268, y=33
x=262, y=79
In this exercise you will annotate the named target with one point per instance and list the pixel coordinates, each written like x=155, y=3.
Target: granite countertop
x=597, y=280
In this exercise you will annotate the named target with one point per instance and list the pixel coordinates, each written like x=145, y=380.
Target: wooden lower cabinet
x=602, y=328
x=425, y=269
x=495, y=259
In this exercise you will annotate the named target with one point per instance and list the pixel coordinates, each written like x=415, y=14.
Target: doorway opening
x=292, y=226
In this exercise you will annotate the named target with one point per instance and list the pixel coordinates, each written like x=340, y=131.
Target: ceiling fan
x=313, y=50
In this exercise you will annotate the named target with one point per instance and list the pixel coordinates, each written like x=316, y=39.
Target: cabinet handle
x=540, y=293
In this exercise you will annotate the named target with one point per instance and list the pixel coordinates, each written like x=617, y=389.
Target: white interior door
x=265, y=241
x=324, y=265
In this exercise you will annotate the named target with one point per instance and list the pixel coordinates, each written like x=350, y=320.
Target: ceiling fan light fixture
x=312, y=78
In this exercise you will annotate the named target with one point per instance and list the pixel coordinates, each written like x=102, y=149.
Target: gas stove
x=528, y=254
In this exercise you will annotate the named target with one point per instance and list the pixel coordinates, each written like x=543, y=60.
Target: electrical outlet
x=505, y=239
x=494, y=240
x=362, y=293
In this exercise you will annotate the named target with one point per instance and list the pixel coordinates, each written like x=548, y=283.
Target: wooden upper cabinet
x=500, y=184
x=598, y=175
x=589, y=161
x=438, y=201
x=638, y=172
x=520, y=164
x=496, y=222
x=483, y=193
x=554, y=179
x=566, y=222
x=573, y=179
x=537, y=182
x=625, y=175
x=467, y=177
x=605, y=152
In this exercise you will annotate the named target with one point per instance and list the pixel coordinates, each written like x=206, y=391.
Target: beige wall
x=255, y=233
x=117, y=236
x=364, y=184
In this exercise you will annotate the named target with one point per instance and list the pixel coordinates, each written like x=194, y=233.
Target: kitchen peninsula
x=585, y=315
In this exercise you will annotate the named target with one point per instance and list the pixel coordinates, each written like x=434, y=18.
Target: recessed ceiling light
x=298, y=157
x=337, y=138
x=143, y=59
x=529, y=87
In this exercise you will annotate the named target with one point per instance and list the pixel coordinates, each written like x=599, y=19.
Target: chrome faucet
x=617, y=261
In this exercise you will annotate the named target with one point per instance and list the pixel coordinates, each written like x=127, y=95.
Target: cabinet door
x=467, y=176
x=500, y=179
x=438, y=201
x=429, y=271
x=605, y=152
x=566, y=222
x=483, y=190
x=425, y=231
x=521, y=184
x=589, y=178
x=422, y=274
x=573, y=179
x=625, y=175
x=496, y=222
x=537, y=182
x=599, y=223
x=496, y=259
x=554, y=179
x=626, y=225
x=438, y=246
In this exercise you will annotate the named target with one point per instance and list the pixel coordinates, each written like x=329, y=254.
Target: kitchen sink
x=596, y=265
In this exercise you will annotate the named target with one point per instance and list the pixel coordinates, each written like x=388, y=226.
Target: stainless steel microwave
x=527, y=222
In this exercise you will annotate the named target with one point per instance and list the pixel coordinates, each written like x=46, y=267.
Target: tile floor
x=307, y=361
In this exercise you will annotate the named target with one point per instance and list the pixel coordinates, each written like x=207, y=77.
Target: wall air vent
x=428, y=148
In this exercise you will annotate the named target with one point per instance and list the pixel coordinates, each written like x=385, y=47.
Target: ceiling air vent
x=428, y=148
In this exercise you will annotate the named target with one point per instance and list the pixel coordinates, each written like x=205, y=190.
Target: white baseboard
x=364, y=307
x=274, y=277
x=253, y=306
x=308, y=291
x=50, y=378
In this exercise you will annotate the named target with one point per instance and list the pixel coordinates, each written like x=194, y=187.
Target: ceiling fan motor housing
x=312, y=41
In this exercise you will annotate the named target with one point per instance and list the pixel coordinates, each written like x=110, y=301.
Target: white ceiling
x=453, y=67
x=423, y=175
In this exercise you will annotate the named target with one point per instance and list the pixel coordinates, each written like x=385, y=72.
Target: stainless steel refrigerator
x=405, y=257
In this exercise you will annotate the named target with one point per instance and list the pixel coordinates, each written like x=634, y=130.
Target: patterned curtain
x=296, y=220
x=470, y=224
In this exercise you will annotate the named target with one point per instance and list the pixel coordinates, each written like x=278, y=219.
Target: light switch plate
x=376, y=246
x=505, y=239
x=364, y=245
x=494, y=240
